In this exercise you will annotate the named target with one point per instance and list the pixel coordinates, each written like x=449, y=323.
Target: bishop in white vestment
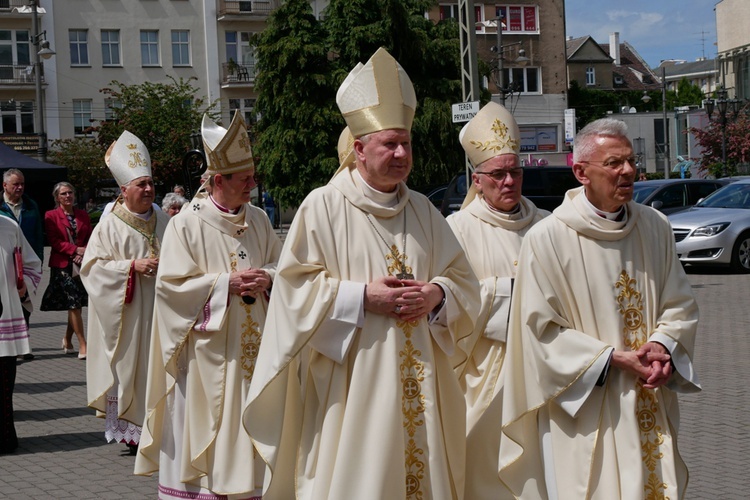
x=354, y=395
x=119, y=273
x=211, y=301
x=601, y=340
x=490, y=227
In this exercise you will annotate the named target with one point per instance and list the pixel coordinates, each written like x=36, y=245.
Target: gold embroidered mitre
x=227, y=150
x=492, y=132
x=345, y=150
x=377, y=96
x=128, y=159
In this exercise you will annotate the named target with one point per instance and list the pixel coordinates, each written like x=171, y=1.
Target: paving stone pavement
x=63, y=453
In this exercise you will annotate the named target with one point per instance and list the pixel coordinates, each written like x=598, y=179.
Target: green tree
x=84, y=158
x=162, y=115
x=688, y=94
x=737, y=144
x=300, y=124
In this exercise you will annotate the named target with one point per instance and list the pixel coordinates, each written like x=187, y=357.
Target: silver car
x=716, y=230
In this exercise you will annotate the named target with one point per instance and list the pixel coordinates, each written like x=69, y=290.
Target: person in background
x=25, y=212
x=16, y=288
x=601, y=340
x=119, y=272
x=212, y=294
x=269, y=206
x=490, y=227
x=68, y=230
x=179, y=190
x=173, y=203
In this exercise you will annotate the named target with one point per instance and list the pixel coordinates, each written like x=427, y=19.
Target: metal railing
x=237, y=73
x=246, y=7
x=10, y=74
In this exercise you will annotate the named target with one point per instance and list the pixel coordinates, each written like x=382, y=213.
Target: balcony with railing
x=245, y=9
x=237, y=74
x=17, y=75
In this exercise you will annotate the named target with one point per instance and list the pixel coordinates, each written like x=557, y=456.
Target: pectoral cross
x=403, y=275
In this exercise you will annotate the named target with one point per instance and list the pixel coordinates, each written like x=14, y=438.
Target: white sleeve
x=215, y=309
x=684, y=379
x=572, y=399
x=335, y=335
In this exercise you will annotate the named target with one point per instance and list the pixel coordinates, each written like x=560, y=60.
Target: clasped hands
x=249, y=282
x=651, y=363
x=406, y=300
x=147, y=267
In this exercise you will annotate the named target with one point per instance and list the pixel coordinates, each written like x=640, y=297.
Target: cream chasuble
x=14, y=334
x=583, y=288
x=118, y=333
x=492, y=241
x=204, y=348
x=388, y=421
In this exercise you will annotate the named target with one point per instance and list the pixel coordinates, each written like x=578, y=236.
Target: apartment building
x=532, y=47
x=733, y=46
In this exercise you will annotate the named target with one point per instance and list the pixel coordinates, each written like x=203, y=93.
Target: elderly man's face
x=139, y=194
x=609, y=174
x=235, y=190
x=14, y=188
x=499, y=180
x=384, y=159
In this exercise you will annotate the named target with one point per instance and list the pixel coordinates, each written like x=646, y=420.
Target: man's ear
x=580, y=172
x=359, y=148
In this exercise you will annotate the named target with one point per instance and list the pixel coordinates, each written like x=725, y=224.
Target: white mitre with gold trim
x=128, y=159
x=345, y=149
x=227, y=150
x=377, y=96
x=492, y=132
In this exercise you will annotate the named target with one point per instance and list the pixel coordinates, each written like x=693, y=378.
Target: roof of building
x=675, y=70
x=633, y=70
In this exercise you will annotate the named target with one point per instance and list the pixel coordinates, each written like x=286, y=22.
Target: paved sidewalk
x=63, y=453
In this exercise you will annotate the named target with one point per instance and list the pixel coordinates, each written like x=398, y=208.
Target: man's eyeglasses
x=501, y=174
x=615, y=163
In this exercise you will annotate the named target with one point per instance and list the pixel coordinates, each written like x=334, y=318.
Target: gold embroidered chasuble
x=207, y=340
x=492, y=241
x=581, y=288
x=118, y=333
x=388, y=421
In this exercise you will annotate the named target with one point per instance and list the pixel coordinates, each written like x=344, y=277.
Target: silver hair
x=58, y=187
x=10, y=173
x=171, y=199
x=584, y=145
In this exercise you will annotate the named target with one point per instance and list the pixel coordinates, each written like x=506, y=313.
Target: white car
x=717, y=229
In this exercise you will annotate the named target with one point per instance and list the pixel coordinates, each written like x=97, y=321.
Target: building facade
x=733, y=46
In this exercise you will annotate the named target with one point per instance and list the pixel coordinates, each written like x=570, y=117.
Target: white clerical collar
x=379, y=197
x=514, y=213
x=620, y=215
x=144, y=216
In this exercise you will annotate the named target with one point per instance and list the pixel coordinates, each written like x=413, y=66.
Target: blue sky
x=657, y=29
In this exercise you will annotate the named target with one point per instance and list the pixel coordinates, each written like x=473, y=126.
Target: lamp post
x=499, y=48
x=39, y=40
x=723, y=106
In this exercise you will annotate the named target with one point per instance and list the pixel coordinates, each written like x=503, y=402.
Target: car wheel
x=741, y=253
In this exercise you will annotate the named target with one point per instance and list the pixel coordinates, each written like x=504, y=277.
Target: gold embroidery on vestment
x=630, y=305
x=251, y=336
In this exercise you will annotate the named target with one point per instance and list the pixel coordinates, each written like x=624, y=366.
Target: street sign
x=464, y=111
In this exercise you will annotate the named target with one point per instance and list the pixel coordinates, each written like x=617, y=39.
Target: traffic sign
x=464, y=111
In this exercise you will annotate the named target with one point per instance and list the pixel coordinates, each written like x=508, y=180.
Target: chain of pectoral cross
x=400, y=262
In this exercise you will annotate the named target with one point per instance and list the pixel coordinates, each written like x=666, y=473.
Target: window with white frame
x=79, y=47
x=519, y=18
x=14, y=51
x=239, y=48
x=180, y=48
x=17, y=117
x=149, y=48
x=111, y=107
x=590, y=76
x=111, y=47
x=81, y=116
x=523, y=80
x=450, y=11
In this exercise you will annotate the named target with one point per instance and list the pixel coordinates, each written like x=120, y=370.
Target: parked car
x=716, y=230
x=544, y=186
x=674, y=195
x=436, y=195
